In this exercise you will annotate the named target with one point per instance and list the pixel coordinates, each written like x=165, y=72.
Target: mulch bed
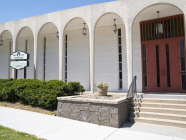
x=18, y=105
x=108, y=97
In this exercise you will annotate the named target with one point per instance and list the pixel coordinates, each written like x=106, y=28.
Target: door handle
x=161, y=72
x=164, y=72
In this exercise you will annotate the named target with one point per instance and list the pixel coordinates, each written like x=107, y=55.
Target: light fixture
x=84, y=30
x=1, y=41
x=115, y=26
x=57, y=35
x=159, y=26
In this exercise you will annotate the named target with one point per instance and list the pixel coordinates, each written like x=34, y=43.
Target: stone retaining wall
x=112, y=114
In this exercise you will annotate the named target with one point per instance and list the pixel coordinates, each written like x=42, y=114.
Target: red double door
x=163, y=66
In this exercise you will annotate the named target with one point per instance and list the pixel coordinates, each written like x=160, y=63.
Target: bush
x=37, y=93
x=6, y=91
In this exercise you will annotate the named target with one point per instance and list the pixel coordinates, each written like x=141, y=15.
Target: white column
x=9, y=52
x=14, y=44
x=61, y=55
x=129, y=52
x=92, y=58
x=35, y=55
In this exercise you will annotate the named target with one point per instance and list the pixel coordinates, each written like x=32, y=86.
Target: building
x=59, y=50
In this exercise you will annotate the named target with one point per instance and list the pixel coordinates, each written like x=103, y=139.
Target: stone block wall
x=113, y=115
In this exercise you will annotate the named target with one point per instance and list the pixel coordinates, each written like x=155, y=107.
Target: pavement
x=57, y=128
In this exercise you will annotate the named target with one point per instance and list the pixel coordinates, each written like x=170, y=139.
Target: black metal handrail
x=130, y=95
x=132, y=89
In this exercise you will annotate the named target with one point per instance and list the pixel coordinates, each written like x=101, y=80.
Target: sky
x=19, y=9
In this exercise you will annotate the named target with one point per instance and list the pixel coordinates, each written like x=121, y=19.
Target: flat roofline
x=57, y=12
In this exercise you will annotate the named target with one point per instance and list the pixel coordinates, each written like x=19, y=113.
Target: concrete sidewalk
x=55, y=128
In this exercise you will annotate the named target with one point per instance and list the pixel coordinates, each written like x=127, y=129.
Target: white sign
x=19, y=55
x=18, y=64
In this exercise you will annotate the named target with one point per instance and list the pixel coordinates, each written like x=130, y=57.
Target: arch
x=115, y=44
x=5, y=54
x=6, y=31
x=144, y=8
x=40, y=29
x=74, y=26
x=95, y=25
x=24, y=42
x=20, y=30
x=71, y=21
x=136, y=41
x=44, y=73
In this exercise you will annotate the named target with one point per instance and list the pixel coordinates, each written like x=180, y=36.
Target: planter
x=101, y=91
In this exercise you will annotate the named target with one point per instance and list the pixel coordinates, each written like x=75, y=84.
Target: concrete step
x=163, y=95
x=159, y=121
x=159, y=105
x=159, y=110
x=169, y=101
x=159, y=115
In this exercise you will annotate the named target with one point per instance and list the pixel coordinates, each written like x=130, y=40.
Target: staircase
x=170, y=112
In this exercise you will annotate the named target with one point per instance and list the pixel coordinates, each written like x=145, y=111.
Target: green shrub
x=7, y=93
x=37, y=93
x=75, y=87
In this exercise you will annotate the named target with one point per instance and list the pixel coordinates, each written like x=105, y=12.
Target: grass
x=10, y=134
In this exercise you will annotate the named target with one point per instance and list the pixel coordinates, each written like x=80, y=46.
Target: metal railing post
x=130, y=95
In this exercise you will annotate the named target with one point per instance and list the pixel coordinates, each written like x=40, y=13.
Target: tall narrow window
x=25, y=71
x=120, y=59
x=182, y=59
x=157, y=66
x=144, y=59
x=66, y=59
x=182, y=55
x=183, y=78
x=44, y=59
x=168, y=65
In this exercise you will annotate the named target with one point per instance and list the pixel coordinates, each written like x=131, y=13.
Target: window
x=25, y=69
x=182, y=55
x=157, y=66
x=120, y=59
x=173, y=27
x=182, y=59
x=168, y=65
x=66, y=59
x=44, y=59
x=144, y=59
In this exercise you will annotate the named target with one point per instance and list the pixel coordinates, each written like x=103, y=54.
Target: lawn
x=10, y=134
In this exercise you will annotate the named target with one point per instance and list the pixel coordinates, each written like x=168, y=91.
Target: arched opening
x=25, y=42
x=48, y=52
x=6, y=50
x=157, y=61
x=110, y=52
x=76, y=66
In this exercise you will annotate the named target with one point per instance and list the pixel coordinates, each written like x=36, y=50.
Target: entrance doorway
x=163, y=57
x=163, y=65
